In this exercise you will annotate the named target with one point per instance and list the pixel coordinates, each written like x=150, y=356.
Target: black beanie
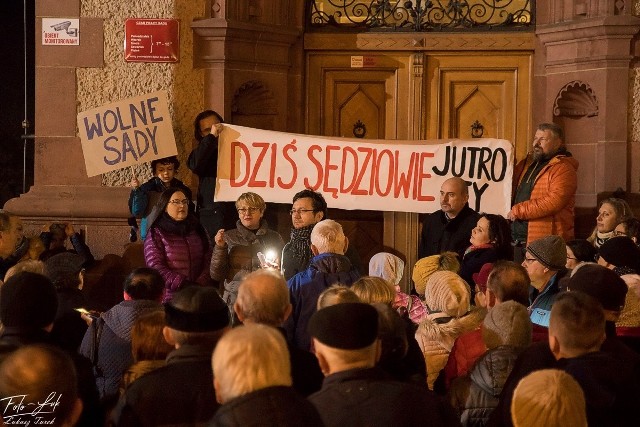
x=601, y=283
x=621, y=252
x=347, y=326
x=28, y=301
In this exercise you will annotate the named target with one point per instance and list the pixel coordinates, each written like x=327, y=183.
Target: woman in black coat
x=490, y=242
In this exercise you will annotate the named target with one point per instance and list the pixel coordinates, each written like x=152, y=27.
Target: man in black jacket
x=449, y=229
x=355, y=392
x=180, y=393
x=203, y=161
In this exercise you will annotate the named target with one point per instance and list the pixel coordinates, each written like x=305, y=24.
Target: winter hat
x=28, y=301
x=551, y=251
x=601, y=283
x=62, y=266
x=480, y=278
x=447, y=293
x=621, y=252
x=347, y=326
x=549, y=398
x=507, y=324
x=197, y=309
x=425, y=267
x=387, y=266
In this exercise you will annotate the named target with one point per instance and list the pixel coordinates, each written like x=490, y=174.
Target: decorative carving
x=254, y=98
x=359, y=129
x=576, y=99
x=422, y=15
x=477, y=129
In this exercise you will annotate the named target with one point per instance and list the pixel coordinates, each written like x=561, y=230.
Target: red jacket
x=550, y=209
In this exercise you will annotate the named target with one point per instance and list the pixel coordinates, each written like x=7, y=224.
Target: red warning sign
x=152, y=40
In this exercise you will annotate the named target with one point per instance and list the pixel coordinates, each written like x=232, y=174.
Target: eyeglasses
x=529, y=260
x=249, y=210
x=300, y=211
x=619, y=233
x=183, y=202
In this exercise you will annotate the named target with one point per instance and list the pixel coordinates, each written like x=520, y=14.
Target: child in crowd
x=144, y=197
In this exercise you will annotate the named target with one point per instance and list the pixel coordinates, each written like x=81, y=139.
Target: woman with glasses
x=236, y=251
x=579, y=251
x=630, y=228
x=176, y=244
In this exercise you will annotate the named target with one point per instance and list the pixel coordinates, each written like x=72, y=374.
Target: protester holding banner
x=176, y=244
x=449, y=228
x=236, y=251
x=203, y=161
x=544, y=190
x=144, y=197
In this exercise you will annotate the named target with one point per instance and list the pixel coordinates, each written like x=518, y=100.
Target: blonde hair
x=336, y=294
x=253, y=200
x=327, y=236
x=250, y=358
x=371, y=289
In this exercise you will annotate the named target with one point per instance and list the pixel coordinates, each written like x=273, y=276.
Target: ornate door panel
x=479, y=95
x=367, y=102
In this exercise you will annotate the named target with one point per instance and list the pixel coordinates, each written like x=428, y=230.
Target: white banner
x=385, y=175
x=125, y=133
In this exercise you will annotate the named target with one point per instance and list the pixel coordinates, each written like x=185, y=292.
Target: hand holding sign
x=125, y=133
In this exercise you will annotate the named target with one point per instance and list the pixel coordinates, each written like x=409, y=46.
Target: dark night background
x=12, y=95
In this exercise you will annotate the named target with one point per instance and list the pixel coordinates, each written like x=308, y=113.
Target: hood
x=446, y=333
x=120, y=318
x=492, y=369
x=331, y=263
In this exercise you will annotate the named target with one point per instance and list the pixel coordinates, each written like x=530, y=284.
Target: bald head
x=263, y=297
x=454, y=195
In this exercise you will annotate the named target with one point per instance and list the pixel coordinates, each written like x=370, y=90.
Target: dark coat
x=473, y=261
x=114, y=343
x=538, y=356
x=368, y=397
x=182, y=258
x=305, y=288
x=474, y=396
x=277, y=406
x=439, y=235
x=305, y=370
x=229, y=264
x=203, y=161
x=92, y=414
x=292, y=265
x=180, y=393
x=69, y=327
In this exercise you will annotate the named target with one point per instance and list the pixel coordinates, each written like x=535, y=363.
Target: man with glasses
x=544, y=190
x=309, y=208
x=544, y=261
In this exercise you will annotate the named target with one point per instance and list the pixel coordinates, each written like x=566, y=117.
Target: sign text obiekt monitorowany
x=403, y=176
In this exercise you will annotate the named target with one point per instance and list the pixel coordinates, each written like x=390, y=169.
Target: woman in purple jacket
x=176, y=244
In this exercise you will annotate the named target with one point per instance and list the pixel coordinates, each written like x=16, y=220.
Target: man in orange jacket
x=544, y=193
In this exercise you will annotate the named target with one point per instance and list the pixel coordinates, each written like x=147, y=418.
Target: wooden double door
x=400, y=95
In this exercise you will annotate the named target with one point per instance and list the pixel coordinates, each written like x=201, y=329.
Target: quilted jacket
x=550, y=209
x=180, y=252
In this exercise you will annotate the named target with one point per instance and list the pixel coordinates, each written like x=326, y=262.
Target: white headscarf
x=387, y=266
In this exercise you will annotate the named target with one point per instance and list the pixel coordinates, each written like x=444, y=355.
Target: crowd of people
x=508, y=320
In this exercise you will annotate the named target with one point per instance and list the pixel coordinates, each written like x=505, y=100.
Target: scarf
x=474, y=247
x=601, y=238
x=183, y=228
x=300, y=243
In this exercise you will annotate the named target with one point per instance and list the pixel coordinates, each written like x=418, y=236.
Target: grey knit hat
x=551, y=251
x=507, y=323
